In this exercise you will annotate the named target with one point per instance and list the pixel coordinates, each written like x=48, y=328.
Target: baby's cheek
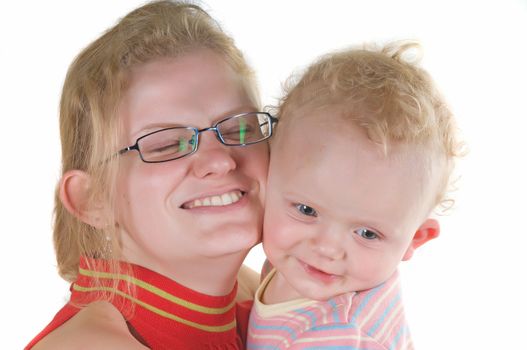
x=270, y=239
x=375, y=268
x=274, y=238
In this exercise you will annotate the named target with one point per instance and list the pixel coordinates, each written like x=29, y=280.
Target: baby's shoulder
x=97, y=326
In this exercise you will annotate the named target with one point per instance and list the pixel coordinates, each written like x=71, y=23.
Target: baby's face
x=340, y=215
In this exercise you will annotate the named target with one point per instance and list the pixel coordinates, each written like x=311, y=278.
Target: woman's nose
x=212, y=157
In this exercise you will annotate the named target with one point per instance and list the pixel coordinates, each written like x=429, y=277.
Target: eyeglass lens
x=243, y=129
x=167, y=144
x=177, y=142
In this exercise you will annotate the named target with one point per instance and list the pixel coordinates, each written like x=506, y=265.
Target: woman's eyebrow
x=154, y=127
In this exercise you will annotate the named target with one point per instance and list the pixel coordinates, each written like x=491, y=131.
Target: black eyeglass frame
x=272, y=120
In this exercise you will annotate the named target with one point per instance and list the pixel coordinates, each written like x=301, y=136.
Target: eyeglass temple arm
x=273, y=120
x=129, y=148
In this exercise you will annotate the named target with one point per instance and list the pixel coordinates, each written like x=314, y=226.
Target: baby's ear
x=74, y=193
x=427, y=231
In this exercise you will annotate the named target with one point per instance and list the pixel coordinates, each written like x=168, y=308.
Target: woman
x=164, y=168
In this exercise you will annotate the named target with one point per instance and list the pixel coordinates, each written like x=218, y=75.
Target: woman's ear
x=427, y=231
x=74, y=193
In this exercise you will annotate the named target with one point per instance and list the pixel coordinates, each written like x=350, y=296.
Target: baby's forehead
x=337, y=166
x=314, y=140
x=317, y=125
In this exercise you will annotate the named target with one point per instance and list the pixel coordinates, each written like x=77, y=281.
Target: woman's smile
x=224, y=199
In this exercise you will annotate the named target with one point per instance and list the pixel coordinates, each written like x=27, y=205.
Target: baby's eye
x=367, y=234
x=306, y=210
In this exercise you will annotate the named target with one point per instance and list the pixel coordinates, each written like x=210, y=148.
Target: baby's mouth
x=224, y=199
x=321, y=275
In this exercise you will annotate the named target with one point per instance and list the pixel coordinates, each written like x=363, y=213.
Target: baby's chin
x=320, y=292
x=321, y=296
x=326, y=290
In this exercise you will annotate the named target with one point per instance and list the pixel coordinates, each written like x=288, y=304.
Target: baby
x=362, y=155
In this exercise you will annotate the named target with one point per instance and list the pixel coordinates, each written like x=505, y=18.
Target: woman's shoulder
x=248, y=281
x=97, y=326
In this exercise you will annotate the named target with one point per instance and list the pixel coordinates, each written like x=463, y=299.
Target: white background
x=465, y=290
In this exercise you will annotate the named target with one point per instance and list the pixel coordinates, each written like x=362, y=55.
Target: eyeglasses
x=177, y=142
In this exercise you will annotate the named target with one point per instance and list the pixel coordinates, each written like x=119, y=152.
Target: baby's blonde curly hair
x=384, y=92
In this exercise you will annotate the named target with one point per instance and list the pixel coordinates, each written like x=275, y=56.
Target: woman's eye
x=306, y=210
x=241, y=135
x=367, y=234
x=167, y=148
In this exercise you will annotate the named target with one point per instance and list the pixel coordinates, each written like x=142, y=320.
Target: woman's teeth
x=215, y=201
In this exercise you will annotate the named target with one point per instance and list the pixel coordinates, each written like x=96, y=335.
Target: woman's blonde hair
x=89, y=127
x=384, y=92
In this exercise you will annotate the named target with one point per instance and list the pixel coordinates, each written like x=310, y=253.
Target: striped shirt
x=371, y=319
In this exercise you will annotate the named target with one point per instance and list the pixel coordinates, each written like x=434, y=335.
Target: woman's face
x=157, y=215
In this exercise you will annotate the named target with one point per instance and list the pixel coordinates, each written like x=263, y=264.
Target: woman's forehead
x=191, y=89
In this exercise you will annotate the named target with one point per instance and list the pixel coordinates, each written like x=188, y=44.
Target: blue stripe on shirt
x=386, y=312
x=328, y=327
x=402, y=330
x=336, y=317
x=310, y=314
x=287, y=329
x=251, y=345
x=365, y=302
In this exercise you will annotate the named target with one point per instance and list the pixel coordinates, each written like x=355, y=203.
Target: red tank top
x=166, y=315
